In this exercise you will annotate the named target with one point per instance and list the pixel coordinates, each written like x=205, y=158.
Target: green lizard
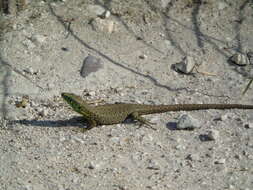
x=116, y=113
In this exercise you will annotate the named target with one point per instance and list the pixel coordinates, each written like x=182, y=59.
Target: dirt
x=42, y=50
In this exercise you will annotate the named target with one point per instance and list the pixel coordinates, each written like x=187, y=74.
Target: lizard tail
x=190, y=107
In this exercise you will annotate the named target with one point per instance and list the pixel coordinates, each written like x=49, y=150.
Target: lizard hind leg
x=142, y=120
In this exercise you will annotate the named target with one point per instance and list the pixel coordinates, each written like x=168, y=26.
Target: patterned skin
x=116, y=113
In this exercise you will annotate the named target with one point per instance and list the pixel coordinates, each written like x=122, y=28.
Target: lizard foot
x=144, y=122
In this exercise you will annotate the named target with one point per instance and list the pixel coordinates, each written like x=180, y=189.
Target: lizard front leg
x=91, y=124
x=142, y=120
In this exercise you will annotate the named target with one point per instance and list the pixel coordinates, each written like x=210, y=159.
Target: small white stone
x=224, y=117
x=164, y=3
x=62, y=138
x=143, y=56
x=213, y=135
x=43, y=112
x=115, y=139
x=248, y=125
x=167, y=42
x=220, y=161
x=96, y=9
x=187, y=122
x=39, y=38
x=92, y=165
x=240, y=59
x=75, y=179
x=103, y=25
x=180, y=147
x=50, y=86
x=28, y=44
x=107, y=14
x=77, y=139
x=92, y=93
x=186, y=65
x=193, y=157
x=33, y=104
x=29, y=70
x=222, y=5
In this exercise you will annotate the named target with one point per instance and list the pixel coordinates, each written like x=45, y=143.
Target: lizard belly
x=112, y=118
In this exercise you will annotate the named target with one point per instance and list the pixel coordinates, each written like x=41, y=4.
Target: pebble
x=92, y=165
x=222, y=5
x=43, y=112
x=77, y=139
x=143, y=56
x=164, y=3
x=103, y=25
x=50, y=86
x=186, y=65
x=90, y=64
x=250, y=57
x=240, y=59
x=96, y=9
x=39, y=38
x=248, y=125
x=33, y=104
x=148, y=138
x=62, y=138
x=213, y=135
x=75, y=179
x=193, y=157
x=92, y=93
x=115, y=139
x=153, y=165
x=107, y=14
x=29, y=70
x=187, y=122
x=224, y=117
x=28, y=44
x=220, y=161
x=168, y=43
x=180, y=147
x=237, y=156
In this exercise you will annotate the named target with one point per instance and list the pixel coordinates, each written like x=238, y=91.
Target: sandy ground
x=42, y=51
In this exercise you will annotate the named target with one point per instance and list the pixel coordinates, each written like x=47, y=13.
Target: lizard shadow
x=77, y=121
x=73, y=122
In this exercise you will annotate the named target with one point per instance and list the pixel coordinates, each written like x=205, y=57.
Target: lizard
x=109, y=114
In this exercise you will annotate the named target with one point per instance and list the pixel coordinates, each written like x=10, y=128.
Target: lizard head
x=74, y=101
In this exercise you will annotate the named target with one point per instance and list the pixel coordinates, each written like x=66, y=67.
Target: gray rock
x=222, y=5
x=240, y=59
x=107, y=14
x=250, y=57
x=220, y=161
x=153, y=165
x=96, y=9
x=29, y=70
x=248, y=125
x=143, y=56
x=103, y=25
x=44, y=112
x=193, y=157
x=187, y=122
x=28, y=44
x=39, y=38
x=164, y=3
x=90, y=64
x=213, y=135
x=186, y=66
